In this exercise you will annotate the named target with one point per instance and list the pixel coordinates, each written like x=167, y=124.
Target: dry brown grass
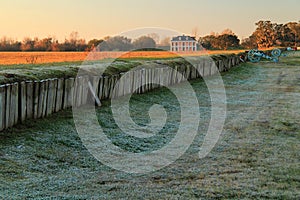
x=12, y=58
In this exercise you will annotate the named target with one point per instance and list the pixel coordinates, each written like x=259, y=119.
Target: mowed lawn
x=257, y=156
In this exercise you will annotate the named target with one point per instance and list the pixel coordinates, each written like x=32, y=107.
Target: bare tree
x=73, y=37
x=154, y=36
x=195, y=32
x=227, y=31
x=212, y=33
x=165, y=42
x=144, y=42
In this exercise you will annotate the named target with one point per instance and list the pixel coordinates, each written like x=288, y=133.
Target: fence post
x=22, y=98
x=45, y=99
x=7, y=105
x=36, y=94
x=14, y=103
x=49, y=97
x=100, y=88
x=2, y=107
x=59, y=94
x=41, y=98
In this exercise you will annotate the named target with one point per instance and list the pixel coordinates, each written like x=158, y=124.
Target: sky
x=100, y=18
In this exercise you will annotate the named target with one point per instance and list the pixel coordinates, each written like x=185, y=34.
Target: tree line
x=226, y=40
x=74, y=43
x=266, y=34
x=269, y=34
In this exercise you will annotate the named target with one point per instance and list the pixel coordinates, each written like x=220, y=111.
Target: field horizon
x=16, y=58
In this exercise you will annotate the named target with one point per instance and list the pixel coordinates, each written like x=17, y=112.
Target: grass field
x=16, y=58
x=30, y=66
x=257, y=156
x=11, y=73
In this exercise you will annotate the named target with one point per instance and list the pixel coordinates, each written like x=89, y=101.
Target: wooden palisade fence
x=38, y=99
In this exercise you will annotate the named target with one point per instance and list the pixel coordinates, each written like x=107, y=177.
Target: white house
x=183, y=43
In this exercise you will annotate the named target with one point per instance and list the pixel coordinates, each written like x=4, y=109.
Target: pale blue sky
x=99, y=18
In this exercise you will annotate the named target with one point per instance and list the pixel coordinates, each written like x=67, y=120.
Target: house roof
x=183, y=38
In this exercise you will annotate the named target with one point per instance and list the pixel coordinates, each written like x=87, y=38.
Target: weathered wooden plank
x=54, y=93
x=36, y=87
x=71, y=94
x=134, y=83
x=143, y=80
x=140, y=83
x=76, y=94
x=126, y=83
x=14, y=104
x=188, y=72
x=113, y=80
x=179, y=75
x=22, y=100
x=169, y=76
x=68, y=92
x=213, y=69
x=174, y=75
x=16, y=85
x=194, y=73
x=65, y=94
x=29, y=99
x=100, y=88
x=81, y=92
x=148, y=79
x=156, y=77
x=206, y=68
x=199, y=68
x=221, y=65
x=7, y=105
x=2, y=106
x=59, y=94
x=93, y=99
x=75, y=98
x=85, y=90
x=49, y=102
x=164, y=76
x=95, y=84
x=45, y=99
x=159, y=75
x=106, y=87
x=116, y=88
x=41, y=98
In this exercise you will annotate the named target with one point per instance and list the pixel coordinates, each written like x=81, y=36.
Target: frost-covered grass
x=256, y=157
